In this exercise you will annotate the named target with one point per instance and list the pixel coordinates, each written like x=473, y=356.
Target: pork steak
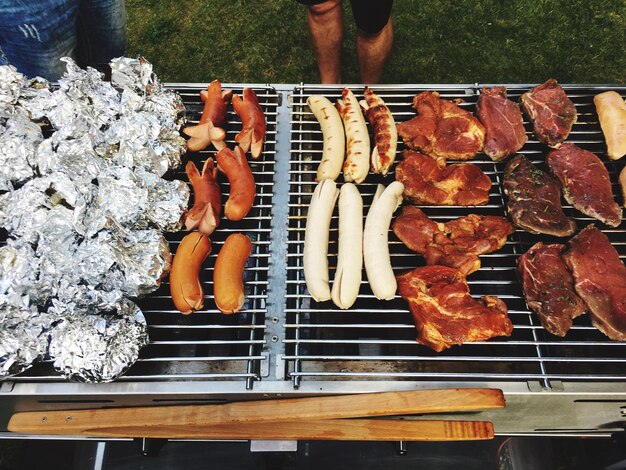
x=445, y=313
x=456, y=243
x=534, y=199
x=549, y=287
x=426, y=182
x=442, y=129
x=550, y=110
x=600, y=280
x=504, y=127
x=586, y=183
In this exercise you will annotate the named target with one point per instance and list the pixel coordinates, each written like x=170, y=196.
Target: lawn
x=436, y=41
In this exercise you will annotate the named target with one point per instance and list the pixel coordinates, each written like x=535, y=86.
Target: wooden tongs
x=315, y=418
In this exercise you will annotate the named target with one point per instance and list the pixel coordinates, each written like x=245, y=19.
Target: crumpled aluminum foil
x=96, y=346
x=84, y=211
x=23, y=337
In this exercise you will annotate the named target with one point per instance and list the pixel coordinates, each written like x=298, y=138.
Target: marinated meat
x=504, y=127
x=428, y=182
x=445, y=313
x=550, y=110
x=534, y=200
x=442, y=129
x=586, y=183
x=457, y=243
x=549, y=287
x=600, y=279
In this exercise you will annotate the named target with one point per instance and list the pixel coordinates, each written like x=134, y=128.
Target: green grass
x=436, y=41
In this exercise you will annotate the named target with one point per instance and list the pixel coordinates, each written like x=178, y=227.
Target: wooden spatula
x=306, y=417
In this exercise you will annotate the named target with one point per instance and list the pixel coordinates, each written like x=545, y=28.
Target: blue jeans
x=35, y=34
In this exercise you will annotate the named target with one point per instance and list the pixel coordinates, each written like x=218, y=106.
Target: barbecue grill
x=285, y=344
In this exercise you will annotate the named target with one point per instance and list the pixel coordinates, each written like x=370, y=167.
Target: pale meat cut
x=550, y=110
x=456, y=243
x=427, y=182
x=586, y=183
x=504, y=127
x=534, y=199
x=611, y=110
x=549, y=287
x=445, y=313
x=600, y=279
x=442, y=129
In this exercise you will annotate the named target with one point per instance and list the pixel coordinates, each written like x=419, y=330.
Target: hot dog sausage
x=185, y=286
x=242, y=187
x=207, y=204
x=210, y=129
x=253, y=123
x=385, y=132
x=228, y=273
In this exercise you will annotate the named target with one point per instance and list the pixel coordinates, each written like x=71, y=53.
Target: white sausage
x=348, y=276
x=385, y=132
x=316, y=239
x=357, y=164
x=334, y=137
x=376, y=241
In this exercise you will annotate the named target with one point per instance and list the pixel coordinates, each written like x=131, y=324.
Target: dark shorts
x=370, y=15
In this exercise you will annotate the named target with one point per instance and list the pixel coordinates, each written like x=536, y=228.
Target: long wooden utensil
x=250, y=416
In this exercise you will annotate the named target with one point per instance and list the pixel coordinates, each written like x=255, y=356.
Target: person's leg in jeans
x=374, y=36
x=101, y=32
x=34, y=35
x=325, y=21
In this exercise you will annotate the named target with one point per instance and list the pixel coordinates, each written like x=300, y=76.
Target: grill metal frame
x=287, y=346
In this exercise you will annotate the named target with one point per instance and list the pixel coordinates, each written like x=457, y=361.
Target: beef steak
x=504, y=127
x=550, y=110
x=549, y=287
x=534, y=199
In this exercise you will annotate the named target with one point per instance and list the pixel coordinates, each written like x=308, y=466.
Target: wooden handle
x=316, y=408
x=323, y=429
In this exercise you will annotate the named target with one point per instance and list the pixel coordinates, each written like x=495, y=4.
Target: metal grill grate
x=376, y=339
x=208, y=345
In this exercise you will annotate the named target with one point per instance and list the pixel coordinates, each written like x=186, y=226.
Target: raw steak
x=549, y=287
x=442, y=129
x=427, y=182
x=457, y=243
x=445, y=313
x=550, y=110
x=600, y=279
x=534, y=201
x=504, y=127
x=586, y=183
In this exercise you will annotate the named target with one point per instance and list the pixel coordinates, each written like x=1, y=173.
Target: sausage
x=611, y=110
x=334, y=137
x=385, y=132
x=253, y=123
x=228, y=273
x=349, y=271
x=316, y=239
x=185, y=286
x=357, y=164
x=376, y=241
x=207, y=203
x=242, y=187
x=210, y=129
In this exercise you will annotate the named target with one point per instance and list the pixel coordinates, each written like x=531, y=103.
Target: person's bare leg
x=325, y=22
x=373, y=51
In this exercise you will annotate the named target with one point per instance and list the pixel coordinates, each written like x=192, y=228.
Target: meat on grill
x=550, y=110
x=442, y=129
x=445, y=313
x=549, y=287
x=429, y=182
x=534, y=199
x=600, y=279
x=457, y=243
x=504, y=127
x=586, y=183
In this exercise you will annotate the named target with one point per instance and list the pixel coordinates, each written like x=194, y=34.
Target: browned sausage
x=228, y=273
x=207, y=199
x=253, y=122
x=210, y=129
x=185, y=286
x=242, y=187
